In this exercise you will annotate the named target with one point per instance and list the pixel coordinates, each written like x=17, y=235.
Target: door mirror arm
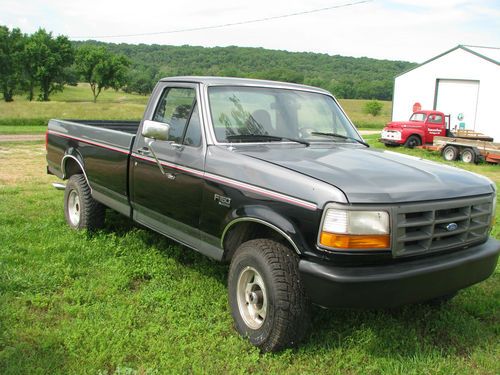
x=150, y=145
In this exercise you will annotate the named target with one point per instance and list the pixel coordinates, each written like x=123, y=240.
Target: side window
x=435, y=119
x=174, y=108
x=193, y=132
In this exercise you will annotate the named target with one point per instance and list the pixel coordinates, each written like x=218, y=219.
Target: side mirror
x=155, y=130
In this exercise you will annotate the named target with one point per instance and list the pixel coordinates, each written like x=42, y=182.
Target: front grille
x=439, y=226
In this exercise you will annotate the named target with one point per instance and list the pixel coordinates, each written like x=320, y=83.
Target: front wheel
x=266, y=296
x=413, y=141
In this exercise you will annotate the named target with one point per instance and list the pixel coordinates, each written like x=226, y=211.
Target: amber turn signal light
x=349, y=241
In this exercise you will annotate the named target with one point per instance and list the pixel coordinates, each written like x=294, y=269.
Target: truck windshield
x=258, y=114
x=420, y=117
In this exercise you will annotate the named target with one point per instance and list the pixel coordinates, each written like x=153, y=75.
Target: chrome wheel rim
x=74, y=208
x=252, y=298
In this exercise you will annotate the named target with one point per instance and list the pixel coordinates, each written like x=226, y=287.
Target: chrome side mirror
x=155, y=130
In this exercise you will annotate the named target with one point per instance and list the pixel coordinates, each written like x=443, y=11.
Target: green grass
x=76, y=103
x=362, y=120
x=72, y=103
x=24, y=129
x=128, y=301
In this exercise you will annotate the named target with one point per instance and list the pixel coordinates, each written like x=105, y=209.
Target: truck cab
x=420, y=129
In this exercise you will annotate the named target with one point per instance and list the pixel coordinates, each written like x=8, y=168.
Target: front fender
x=265, y=216
x=409, y=132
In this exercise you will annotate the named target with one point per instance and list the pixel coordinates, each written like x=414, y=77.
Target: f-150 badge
x=223, y=201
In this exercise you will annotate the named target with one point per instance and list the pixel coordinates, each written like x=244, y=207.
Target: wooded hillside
x=346, y=77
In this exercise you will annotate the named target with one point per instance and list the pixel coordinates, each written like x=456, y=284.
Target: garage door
x=458, y=98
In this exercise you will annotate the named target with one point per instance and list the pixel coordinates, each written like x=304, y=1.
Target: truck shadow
x=120, y=226
x=454, y=328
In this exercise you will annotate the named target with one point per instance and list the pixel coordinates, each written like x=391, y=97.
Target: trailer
x=468, y=146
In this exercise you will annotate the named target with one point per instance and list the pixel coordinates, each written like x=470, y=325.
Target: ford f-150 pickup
x=274, y=179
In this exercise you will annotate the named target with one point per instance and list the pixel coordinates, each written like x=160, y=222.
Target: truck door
x=435, y=126
x=170, y=203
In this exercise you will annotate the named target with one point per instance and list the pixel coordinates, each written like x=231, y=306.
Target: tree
x=373, y=107
x=46, y=60
x=101, y=69
x=142, y=80
x=11, y=56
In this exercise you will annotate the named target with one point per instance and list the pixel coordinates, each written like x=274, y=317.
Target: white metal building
x=463, y=82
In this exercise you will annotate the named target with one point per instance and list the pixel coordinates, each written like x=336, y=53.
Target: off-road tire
x=413, y=141
x=91, y=213
x=287, y=318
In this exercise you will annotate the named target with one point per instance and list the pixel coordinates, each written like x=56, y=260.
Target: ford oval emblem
x=451, y=227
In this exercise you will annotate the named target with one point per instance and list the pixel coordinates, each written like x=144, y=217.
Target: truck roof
x=233, y=81
x=428, y=111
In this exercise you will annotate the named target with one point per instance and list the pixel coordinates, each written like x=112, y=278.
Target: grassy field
x=354, y=109
x=128, y=301
x=23, y=117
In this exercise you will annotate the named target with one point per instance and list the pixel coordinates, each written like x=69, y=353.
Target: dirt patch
x=21, y=137
x=21, y=163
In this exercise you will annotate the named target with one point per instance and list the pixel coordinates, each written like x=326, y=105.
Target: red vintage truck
x=420, y=129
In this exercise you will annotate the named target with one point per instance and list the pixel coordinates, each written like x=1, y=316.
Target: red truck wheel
x=413, y=141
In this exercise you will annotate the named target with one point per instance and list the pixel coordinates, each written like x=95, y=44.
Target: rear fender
x=72, y=156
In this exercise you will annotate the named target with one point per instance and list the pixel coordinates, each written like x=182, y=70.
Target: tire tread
x=291, y=306
x=92, y=212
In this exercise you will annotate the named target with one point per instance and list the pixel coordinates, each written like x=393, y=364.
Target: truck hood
x=374, y=176
x=399, y=124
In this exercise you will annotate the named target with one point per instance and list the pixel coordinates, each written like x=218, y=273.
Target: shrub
x=373, y=107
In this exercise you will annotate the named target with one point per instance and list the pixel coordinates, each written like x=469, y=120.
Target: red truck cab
x=422, y=127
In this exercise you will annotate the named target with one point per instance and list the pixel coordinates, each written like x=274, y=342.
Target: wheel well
x=71, y=167
x=247, y=230
x=416, y=135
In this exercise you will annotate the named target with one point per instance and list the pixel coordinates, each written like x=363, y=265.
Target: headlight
x=343, y=229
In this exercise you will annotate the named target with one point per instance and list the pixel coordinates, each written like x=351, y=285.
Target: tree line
x=43, y=63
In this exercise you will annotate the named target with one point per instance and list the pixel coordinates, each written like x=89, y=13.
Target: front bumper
x=398, y=284
x=390, y=142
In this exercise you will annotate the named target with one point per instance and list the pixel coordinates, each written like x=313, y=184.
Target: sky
x=411, y=30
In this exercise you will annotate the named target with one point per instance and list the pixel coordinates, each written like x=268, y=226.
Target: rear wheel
x=450, y=153
x=80, y=209
x=413, y=141
x=267, y=300
x=468, y=156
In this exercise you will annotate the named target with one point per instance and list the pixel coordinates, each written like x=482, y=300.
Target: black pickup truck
x=274, y=179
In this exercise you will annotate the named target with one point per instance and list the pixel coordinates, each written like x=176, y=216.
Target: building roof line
x=479, y=54
x=470, y=45
x=460, y=46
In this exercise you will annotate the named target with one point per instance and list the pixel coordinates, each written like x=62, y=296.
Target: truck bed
x=102, y=148
x=118, y=125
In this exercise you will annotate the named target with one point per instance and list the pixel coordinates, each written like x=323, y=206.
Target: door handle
x=144, y=151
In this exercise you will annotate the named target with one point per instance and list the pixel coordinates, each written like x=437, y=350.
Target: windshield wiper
x=341, y=136
x=266, y=137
